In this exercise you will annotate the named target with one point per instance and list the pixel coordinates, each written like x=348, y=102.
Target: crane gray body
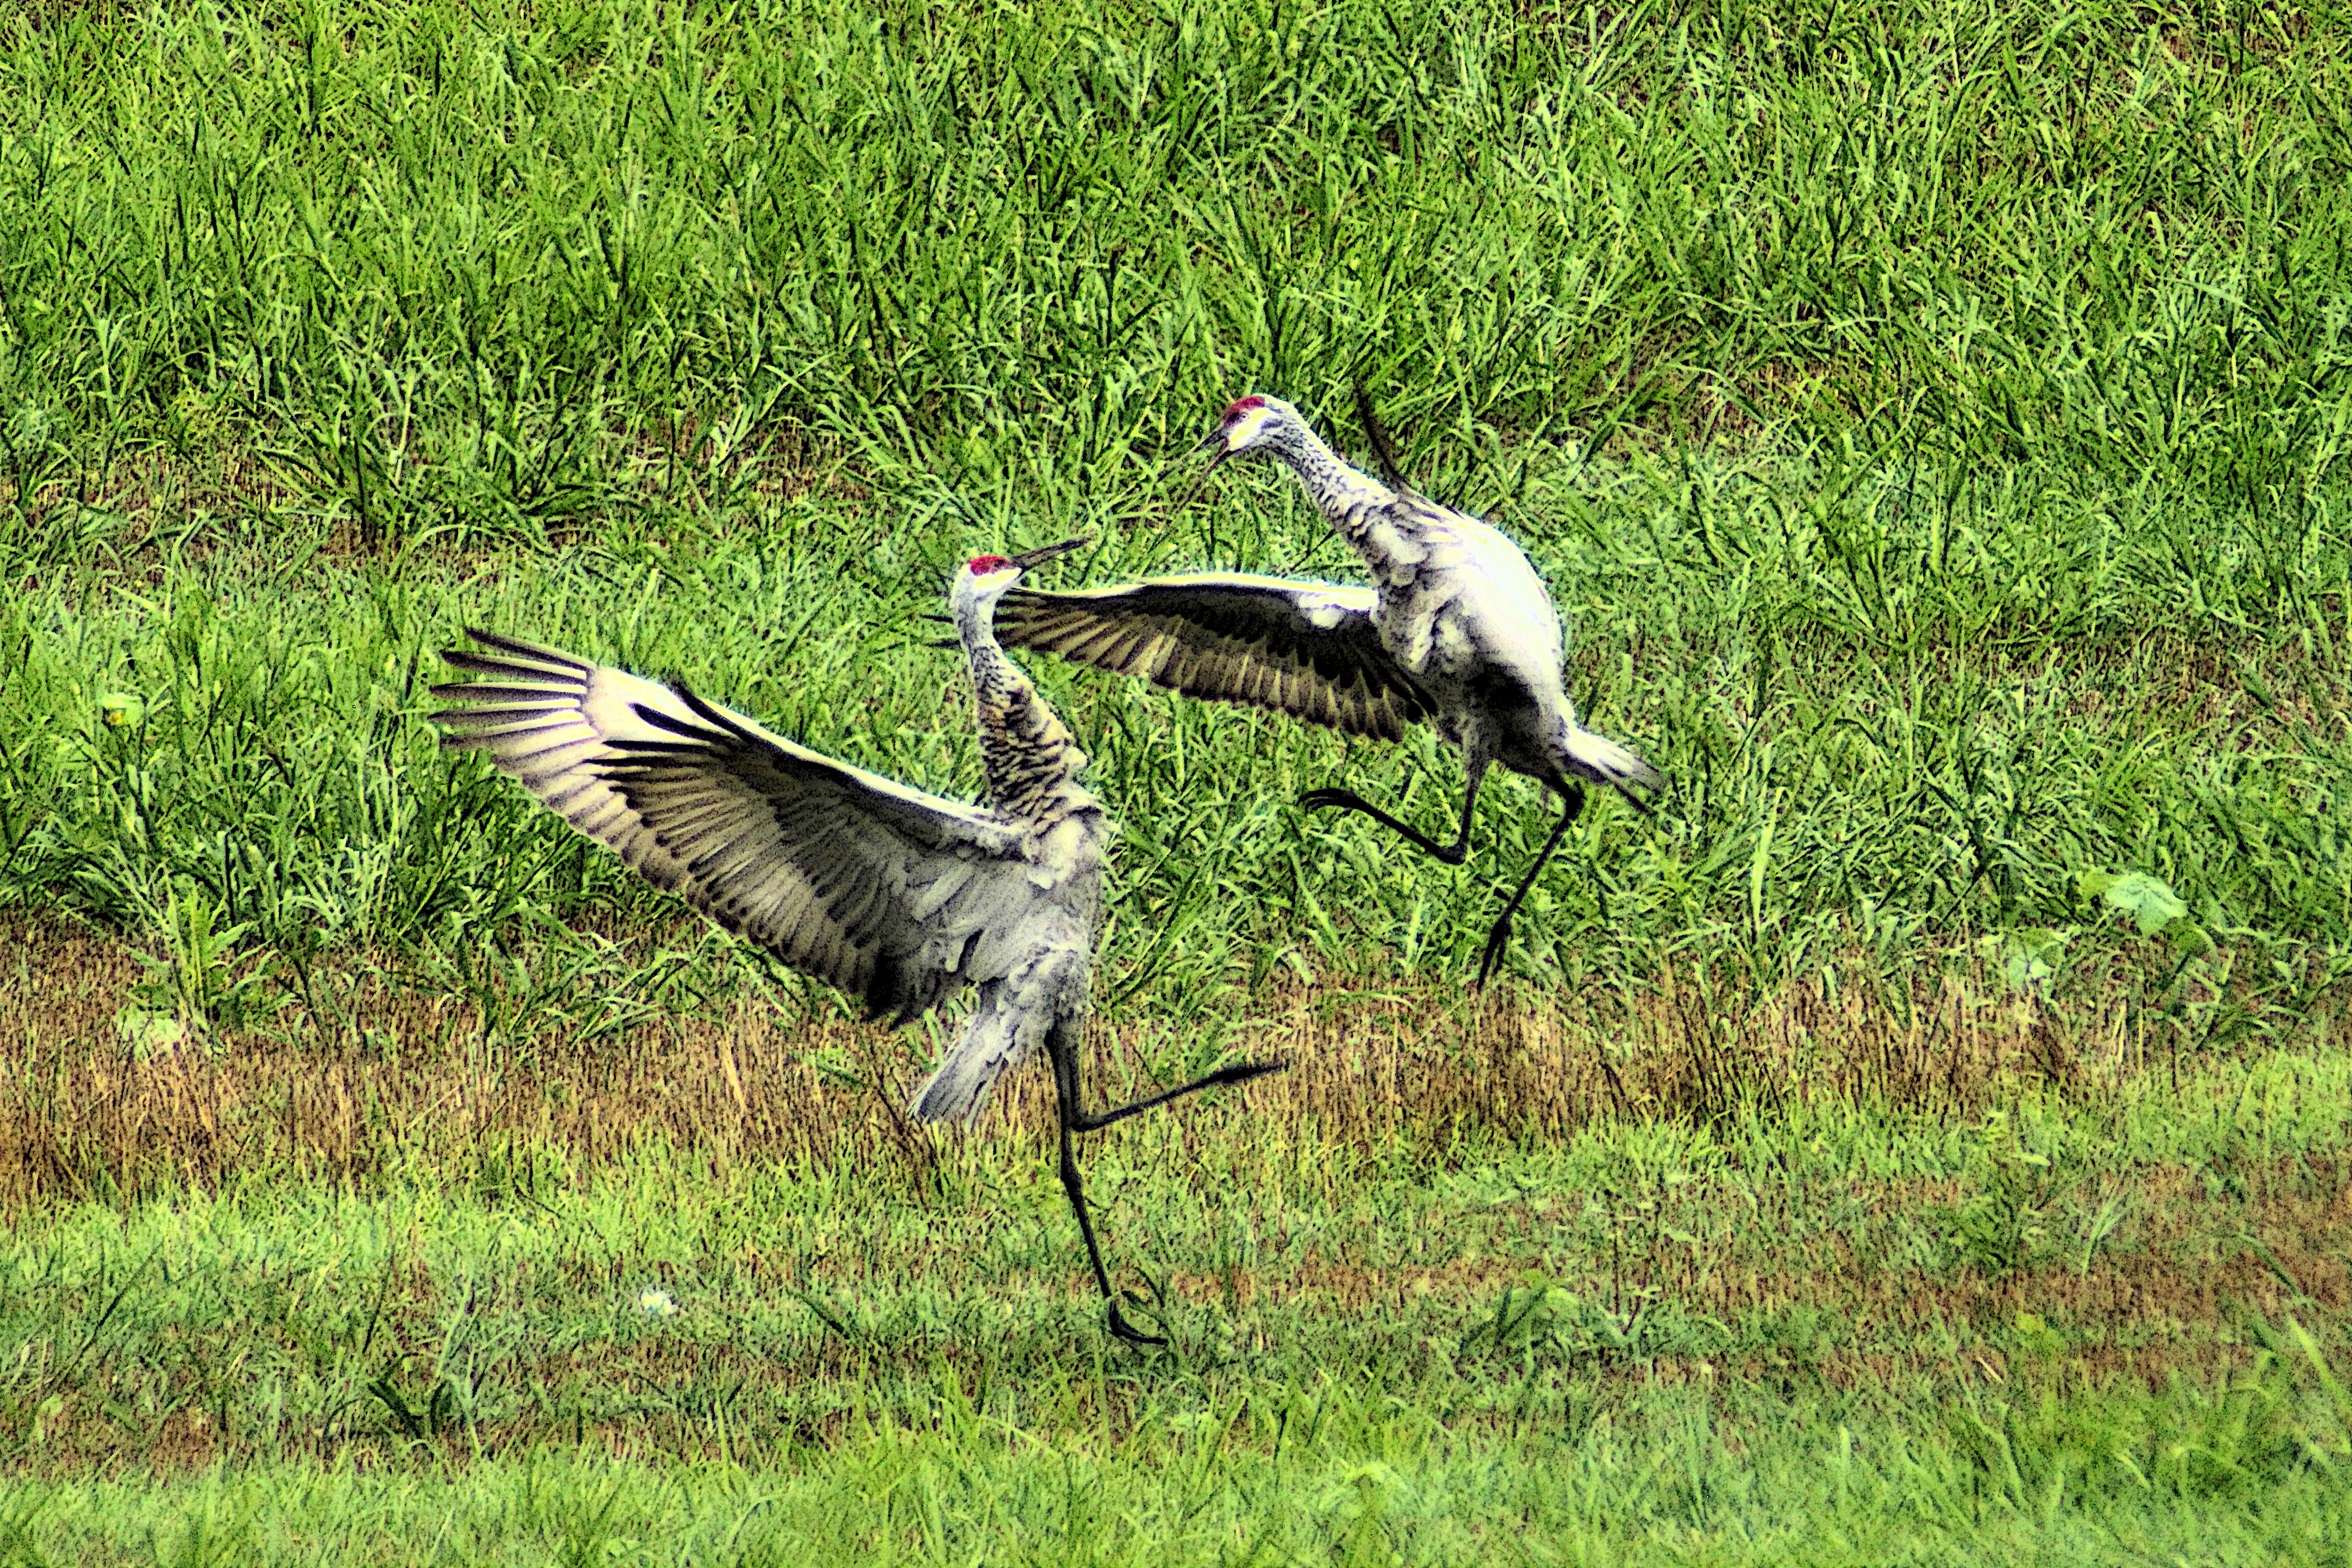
x=1456, y=629
x=897, y=896
x=1461, y=610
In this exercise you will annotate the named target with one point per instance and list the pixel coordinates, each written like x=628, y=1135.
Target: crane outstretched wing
x=1303, y=648
x=888, y=892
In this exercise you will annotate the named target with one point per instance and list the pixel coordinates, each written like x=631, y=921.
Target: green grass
x=1928, y=417
x=450, y=267
x=1357, y=1486
x=1927, y=423
x=2080, y=1332
x=1322, y=1474
x=1854, y=781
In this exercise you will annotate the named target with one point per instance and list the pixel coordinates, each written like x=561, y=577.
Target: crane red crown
x=981, y=565
x=1244, y=405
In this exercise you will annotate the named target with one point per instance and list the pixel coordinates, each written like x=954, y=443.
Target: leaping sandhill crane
x=1456, y=629
x=898, y=898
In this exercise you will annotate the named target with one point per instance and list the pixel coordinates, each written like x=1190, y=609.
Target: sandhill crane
x=1456, y=629
x=897, y=896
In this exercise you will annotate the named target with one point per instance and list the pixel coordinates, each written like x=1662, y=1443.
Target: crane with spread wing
x=1456, y=629
x=899, y=898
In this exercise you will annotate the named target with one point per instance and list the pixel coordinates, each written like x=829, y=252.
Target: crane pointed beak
x=1200, y=484
x=1044, y=553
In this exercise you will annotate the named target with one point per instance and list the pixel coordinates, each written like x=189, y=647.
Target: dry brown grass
x=402, y=1074
x=412, y=1085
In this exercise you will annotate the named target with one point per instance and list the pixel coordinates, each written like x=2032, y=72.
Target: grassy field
x=1927, y=1139
x=2077, y=1334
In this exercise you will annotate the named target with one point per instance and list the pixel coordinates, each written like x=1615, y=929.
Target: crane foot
x=1491, y=960
x=1128, y=1331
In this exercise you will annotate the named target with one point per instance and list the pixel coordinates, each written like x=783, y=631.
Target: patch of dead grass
x=402, y=1073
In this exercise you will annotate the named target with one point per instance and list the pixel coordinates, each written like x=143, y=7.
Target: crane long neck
x=1030, y=758
x=1349, y=499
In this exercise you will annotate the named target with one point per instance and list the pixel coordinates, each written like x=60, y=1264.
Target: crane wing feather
x=882, y=891
x=1308, y=650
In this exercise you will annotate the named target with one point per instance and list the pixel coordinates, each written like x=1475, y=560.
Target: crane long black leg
x=1452, y=853
x=1239, y=1072
x=1499, y=935
x=1063, y=1048
x=1065, y=1095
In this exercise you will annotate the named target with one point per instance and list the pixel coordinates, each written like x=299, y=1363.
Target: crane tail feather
x=960, y=1088
x=1603, y=761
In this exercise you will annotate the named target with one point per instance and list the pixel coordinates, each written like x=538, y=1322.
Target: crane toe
x=1498, y=937
x=1128, y=1331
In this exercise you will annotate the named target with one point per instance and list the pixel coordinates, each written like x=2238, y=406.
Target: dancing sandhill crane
x=1456, y=629
x=896, y=897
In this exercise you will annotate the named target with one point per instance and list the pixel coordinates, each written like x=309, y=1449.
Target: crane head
x=1250, y=424
x=984, y=577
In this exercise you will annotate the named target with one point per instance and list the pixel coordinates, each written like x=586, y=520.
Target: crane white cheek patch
x=1245, y=429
